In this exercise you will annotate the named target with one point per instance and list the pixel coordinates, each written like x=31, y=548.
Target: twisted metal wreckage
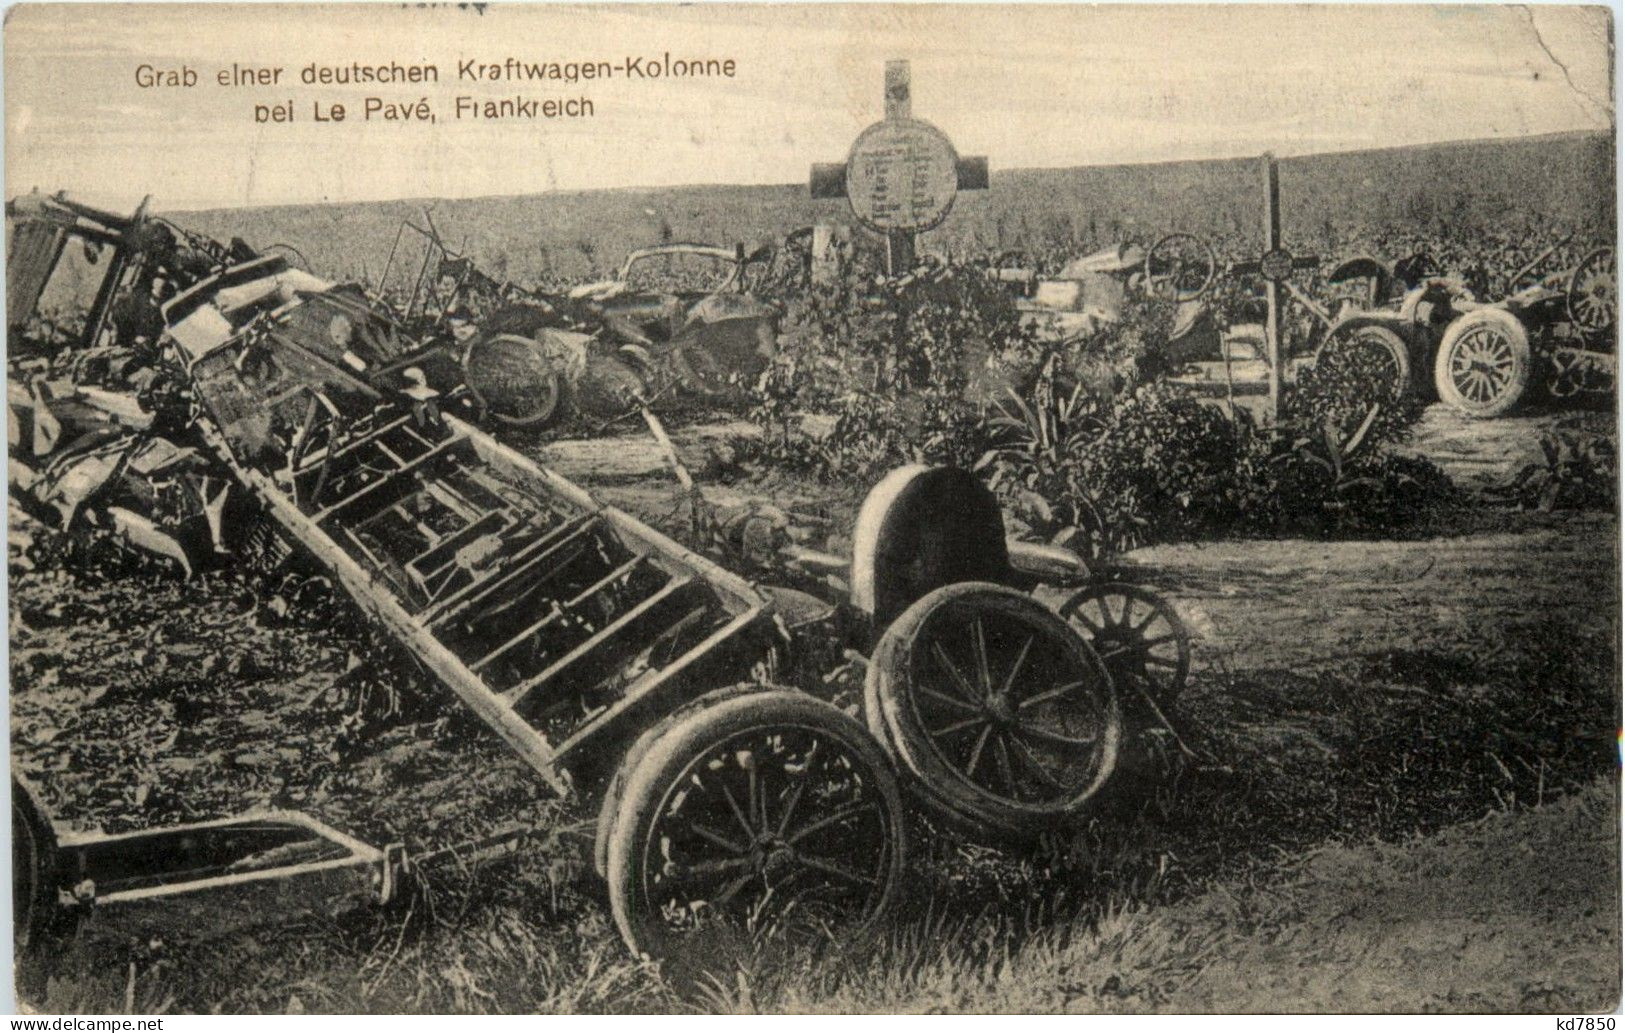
x=618, y=664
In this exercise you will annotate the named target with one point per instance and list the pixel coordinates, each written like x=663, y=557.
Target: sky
x=1027, y=86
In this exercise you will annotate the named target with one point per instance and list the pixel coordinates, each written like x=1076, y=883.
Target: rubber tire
x=546, y=415
x=940, y=788
x=1508, y=326
x=33, y=861
x=615, y=790
x=1377, y=334
x=664, y=759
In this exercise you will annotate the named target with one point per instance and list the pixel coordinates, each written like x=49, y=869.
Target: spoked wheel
x=1003, y=716
x=1181, y=267
x=1483, y=364
x=768, y=812
x=33, y=864
x=1369, y=350
x=514, y=380
x=1593, y=292
x=1138, y=636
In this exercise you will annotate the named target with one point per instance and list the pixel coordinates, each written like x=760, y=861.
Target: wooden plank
x=434, y=453
x=529, y=743
x=463, y=599
x=602, y=583
x=737, y=593
x=649, y=690
x=442, y=553
x=605, y=636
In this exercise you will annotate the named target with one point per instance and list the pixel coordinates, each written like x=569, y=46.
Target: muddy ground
x=1342, y=691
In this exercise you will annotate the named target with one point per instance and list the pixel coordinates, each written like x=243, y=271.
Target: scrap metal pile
x=266, y=410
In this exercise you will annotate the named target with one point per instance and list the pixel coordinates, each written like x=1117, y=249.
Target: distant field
x=1564, y=179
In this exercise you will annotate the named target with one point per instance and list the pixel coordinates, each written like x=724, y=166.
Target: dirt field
x=1345, y=694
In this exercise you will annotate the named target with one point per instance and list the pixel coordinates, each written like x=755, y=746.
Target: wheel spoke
x=1031, y=763
x=1049, y=694
x=824, y=864
x=1056, y=738
x=1002, y=752
x=1161, y=661
x=976, y=751
x=731, y=890
x=716, y=838
x=739, y=815
x=842, y=815
x=957, y=726
x=790, y=804
x=701, y=869
x=982, y=666
x=949, y=700
x=1021, y=658
x=1128, y=611
x=1149, y=620
x=954, y=672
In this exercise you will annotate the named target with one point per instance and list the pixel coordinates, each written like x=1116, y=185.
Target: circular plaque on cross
x=902, y=174
x=1276, y=265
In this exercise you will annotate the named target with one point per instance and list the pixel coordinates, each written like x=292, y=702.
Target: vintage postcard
x=859, y=508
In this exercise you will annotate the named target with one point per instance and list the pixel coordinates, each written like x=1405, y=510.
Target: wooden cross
x=901, y=175
x=1275, y=265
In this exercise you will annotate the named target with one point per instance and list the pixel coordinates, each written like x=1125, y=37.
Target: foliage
x=1579, y=470
x=1146, y=462
x=892, y=371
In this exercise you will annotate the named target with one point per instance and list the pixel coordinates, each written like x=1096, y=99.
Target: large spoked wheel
x=769, y=812
x=1593, y=292
x=1180, y=267
x=1003, y=716
x=1138, y=636
x=1483, y=366
x=33, y=863
x=514, y=381
x=1371, y=350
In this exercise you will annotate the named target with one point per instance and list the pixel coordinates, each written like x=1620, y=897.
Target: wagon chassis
x=608, y=656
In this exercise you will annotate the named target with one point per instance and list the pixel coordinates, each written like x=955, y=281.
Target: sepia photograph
x=865, y=508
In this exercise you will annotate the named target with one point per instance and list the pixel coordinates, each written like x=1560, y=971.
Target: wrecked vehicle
x=1556, y=335
x=677, y=321
x=629, y=670
x=1086, y=294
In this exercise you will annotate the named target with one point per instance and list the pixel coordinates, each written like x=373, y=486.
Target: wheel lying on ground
x=33, y=864
x=1180, y=267
x=1592, y=295
x=1389, y=358
x=1483, y=365
x=1137, y=635
x=1004, y=718
x=514, y=380
x=767, y=811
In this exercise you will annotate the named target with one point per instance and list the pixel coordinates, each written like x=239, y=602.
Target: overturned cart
x=618, y=663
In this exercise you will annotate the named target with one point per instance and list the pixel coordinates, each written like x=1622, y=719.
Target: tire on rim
x=1000, y=713
x=33, y=864
x=1483, y=365
x=1345, y=339
x=1592, y=293
x=1137, y=635
x=513, y=380
x=767, y=811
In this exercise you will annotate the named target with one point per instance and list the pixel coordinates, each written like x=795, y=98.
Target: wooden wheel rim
x=1171, y=248
x=1483, y=364
x=1137, y=635
x=1593, y=293
x=1036, y=747
x=717, y=828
